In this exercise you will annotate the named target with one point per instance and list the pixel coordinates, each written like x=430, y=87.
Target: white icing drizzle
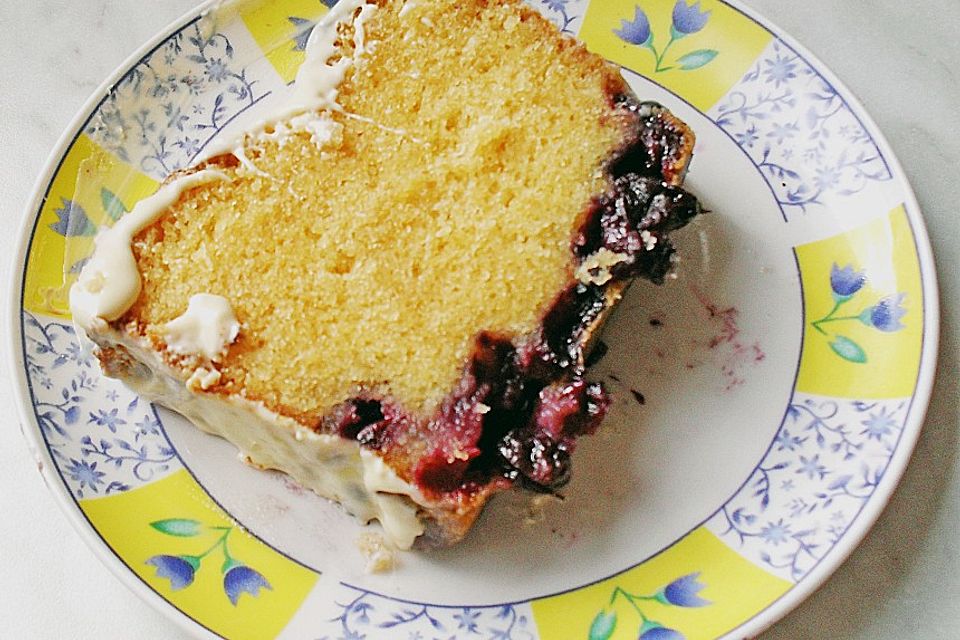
x=240, y=153
x=110, y=282
x=325, y=463
x=317, y=85
x=318, y=81
x=400, y=132
x=207, y=328
x=386, y=487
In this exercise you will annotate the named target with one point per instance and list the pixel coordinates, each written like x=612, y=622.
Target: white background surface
x=900, y=58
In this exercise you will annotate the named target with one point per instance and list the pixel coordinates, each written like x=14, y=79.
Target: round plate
x=767, y=399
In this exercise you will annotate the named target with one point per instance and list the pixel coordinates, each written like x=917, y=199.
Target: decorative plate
x=768, y=398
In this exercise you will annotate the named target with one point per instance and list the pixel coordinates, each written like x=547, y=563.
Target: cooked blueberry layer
x=522, y=403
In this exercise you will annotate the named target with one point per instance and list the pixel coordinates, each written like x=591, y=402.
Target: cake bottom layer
x=331, y=466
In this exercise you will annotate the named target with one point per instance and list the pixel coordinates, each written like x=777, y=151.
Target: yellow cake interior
x=471, y=140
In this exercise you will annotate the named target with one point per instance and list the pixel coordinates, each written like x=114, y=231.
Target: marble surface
x=898, y=57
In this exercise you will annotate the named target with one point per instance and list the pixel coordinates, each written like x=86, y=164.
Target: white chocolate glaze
x=207, y=328
x=110, y=282
x=317, y=85
x=327, y=464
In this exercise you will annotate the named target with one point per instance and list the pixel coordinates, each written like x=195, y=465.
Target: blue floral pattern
x=797, y=128
x=167, y=108
x=180, y=571
x=682, y=592
x=687, y=20
x=566, y=14
x=884, y=315
x=103, y=438
x=367, y=615
x=825, y=463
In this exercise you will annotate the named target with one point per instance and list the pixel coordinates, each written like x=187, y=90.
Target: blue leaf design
x=697, y=59
x=840, y=482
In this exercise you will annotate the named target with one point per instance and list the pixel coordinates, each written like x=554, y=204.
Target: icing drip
x=110, y=282
x=317, y=85
x=207, y=328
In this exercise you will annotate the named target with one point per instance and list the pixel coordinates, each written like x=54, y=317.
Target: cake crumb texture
x=471, y=139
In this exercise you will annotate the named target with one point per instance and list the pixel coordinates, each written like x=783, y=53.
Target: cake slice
x=388, y=288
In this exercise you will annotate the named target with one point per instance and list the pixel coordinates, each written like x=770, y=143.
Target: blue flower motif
x=780, y=133
x=85, y=473
x=189, y=146
x=216, y=70
x=71, y=415
x=827, y=178
x=811, y=467
x=109, y=420
x=846, y=282
x=304, y=29
x=682, y=592
x=242, y=579
x=147, y=427
x=879, y=425
x=636, y=32
x=72, y=220
x=81, y=354
x=688, y=19
x=556, y=5
x=179, y=570
x=780, y=71
x=656, y=632
x=775, y=533
x=886, y=314
x=747, y=138
x=787, y=442
x=467, y=619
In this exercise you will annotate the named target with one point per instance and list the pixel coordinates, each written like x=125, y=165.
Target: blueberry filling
x=521, y=404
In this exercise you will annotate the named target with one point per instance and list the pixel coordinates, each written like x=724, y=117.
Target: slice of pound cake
x=387, y=288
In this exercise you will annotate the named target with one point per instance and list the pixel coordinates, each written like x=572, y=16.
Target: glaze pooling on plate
x=835, y=222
